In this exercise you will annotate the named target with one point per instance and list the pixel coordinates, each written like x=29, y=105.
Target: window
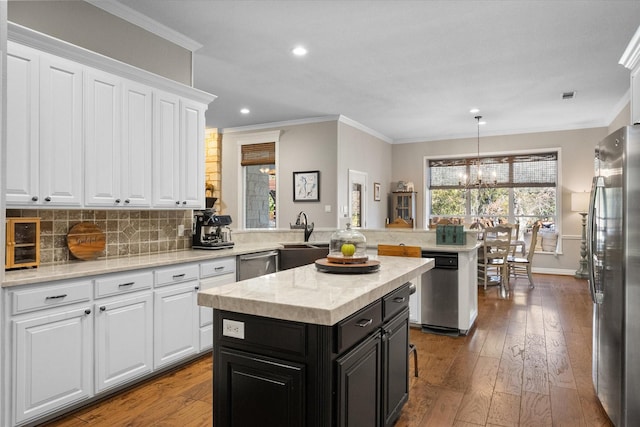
x=258, y=162
x=522, y=189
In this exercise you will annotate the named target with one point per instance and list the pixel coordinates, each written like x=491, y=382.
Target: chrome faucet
x=308, y=229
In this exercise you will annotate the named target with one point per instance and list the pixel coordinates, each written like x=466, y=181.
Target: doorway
x=357, y=198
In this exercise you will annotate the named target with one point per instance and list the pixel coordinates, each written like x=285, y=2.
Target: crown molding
x=279, y=124
x=631, y=55
x=43, y=42
x=136, y=18
x=363, y=128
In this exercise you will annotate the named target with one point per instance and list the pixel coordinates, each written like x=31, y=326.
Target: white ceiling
x=410, y=70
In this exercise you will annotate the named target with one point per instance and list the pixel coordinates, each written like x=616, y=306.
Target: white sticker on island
x=233, y=328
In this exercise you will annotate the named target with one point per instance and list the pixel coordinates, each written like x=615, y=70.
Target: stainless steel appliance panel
x=614, y=258
x=257, y=264
x=439, y=293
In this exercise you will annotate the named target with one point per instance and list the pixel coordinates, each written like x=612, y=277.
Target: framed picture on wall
x=306, y=186
x=376, y=191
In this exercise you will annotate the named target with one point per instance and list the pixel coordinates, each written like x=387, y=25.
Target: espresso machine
x=211, y=231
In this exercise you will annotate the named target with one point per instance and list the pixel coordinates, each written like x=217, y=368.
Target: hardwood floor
x=527, y=362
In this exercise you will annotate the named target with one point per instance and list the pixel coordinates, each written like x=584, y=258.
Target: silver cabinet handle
x=364, y=323
x=56, y=296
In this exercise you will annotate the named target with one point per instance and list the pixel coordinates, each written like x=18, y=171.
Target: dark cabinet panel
x=358, y=384
x=259, y=388
x=395, y=367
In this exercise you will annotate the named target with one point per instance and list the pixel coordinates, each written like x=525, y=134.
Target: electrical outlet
x=233, y=328
x=327, y=208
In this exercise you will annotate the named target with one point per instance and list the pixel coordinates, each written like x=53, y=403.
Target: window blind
x=258, y=154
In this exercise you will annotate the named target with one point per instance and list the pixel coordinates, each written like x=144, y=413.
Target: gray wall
x=306, y=147
x=85, y=25
x=576, y=171
x=360, y=151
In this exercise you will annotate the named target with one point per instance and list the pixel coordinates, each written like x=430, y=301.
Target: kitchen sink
x=296, y=254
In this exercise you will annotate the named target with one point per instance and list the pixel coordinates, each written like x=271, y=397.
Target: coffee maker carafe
x=211, y=231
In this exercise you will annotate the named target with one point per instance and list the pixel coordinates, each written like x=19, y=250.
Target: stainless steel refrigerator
x=614, y=282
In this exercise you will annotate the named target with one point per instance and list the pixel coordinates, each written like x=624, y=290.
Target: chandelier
x=465, y=180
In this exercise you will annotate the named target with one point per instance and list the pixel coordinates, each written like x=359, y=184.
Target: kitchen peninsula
x=302, y=347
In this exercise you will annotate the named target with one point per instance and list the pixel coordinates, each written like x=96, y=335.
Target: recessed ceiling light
x=299, y=51
x=474, y=110
x=245, y=111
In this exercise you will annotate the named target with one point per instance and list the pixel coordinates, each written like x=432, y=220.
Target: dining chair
x=408, y=251
x=492, y=256
x=515, y=243
x=522, y=265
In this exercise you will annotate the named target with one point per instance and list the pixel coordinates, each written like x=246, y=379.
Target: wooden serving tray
x=325, y=266
x=340, y=259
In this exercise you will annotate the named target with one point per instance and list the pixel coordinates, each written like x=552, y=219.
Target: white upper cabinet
x=103, y=109
x=22, y=125
x=85, y=130
x=178, y=152
x=117, y=142
x=44, y=129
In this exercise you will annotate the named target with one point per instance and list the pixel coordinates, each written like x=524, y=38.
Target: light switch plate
x=233, y=328
x=327, y=208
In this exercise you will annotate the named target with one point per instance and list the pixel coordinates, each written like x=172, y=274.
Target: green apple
x=348, y=249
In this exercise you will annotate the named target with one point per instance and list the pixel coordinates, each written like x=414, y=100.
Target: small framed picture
x=306, y=186
x=376, y=191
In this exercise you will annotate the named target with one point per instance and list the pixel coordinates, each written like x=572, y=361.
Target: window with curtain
x=259, y=166
x=521, y=189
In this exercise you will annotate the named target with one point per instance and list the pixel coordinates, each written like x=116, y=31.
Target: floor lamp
x=580, y=204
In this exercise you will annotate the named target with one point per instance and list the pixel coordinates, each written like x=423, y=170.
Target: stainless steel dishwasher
x=256, y=264
x=439, y=294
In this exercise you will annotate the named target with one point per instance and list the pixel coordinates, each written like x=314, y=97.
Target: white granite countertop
x=304, y=294
x=79, y=268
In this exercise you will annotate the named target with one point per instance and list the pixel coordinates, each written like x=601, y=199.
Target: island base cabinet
x=259, y=388
x=52, y=362
x=395, y=367
x=358, y=384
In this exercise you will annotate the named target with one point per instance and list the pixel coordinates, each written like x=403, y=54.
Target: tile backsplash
x=128, y=232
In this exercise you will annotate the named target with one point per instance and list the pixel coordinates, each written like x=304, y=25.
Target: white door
x=166, y=150
x=61, y=121
x=124, y=339
x=52, y=363
x=103, y=110
x=136, y=159
x=23, y=128
x=175, y=323
x=357, y=199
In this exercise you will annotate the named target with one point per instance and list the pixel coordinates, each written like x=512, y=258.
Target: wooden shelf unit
x=22, y=243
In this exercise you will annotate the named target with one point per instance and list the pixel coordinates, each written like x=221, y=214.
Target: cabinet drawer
x=176, y=274
x=218, y=267
x=122, y=283
x=395, y=301
x=26, y=300
x=357, y=326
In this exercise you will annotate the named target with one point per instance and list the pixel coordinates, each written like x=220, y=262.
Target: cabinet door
x=166, y=150
x=358, y=384
x=255, y=390
x=124, y=340
x=52, y=361
x=22, y=126
x=206, y=313
x=175, y=323
x=60, y=132
x=103, y=139
x=136, y=159
x=395, y=366
x=191, y=154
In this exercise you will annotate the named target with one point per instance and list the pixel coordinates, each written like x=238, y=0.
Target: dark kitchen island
x=305, y=348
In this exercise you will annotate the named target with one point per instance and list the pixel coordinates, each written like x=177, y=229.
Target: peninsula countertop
x=304, y=294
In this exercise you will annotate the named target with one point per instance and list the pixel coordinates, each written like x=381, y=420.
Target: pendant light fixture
x=478, y=183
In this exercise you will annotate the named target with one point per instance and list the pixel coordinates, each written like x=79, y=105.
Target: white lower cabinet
x=123, y=339
x=175, y=323
x=52, y=360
